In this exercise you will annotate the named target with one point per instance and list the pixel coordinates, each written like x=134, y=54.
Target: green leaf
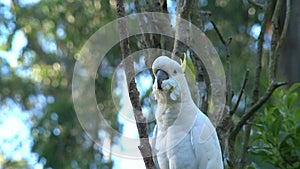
x=298, y=131
x=3, y=47
x=261, y=151
x=293, y=88
x=191, y=66
x=277, y=113
x=183, y=62
x=276, y=126
x=291, y=100
x=250, y=167
x=297, y=115
x=287, y=149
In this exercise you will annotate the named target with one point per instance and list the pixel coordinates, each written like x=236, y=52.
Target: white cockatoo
x=184, y=137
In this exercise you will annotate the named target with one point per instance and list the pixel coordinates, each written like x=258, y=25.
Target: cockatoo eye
x=160, y=77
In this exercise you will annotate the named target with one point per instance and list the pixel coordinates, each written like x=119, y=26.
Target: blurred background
x=39, y=45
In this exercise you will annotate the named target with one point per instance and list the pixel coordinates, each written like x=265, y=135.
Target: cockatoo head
x=169, y=78
x=163, y=68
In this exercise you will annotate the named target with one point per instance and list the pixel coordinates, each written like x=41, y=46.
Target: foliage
x=277, y=131
x=56, y=30
x=13, y=164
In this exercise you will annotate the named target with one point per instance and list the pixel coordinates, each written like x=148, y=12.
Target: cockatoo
x=184, y=137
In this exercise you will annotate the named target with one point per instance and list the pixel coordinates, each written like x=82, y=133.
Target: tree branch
x=141, y=124
x=145, y=40
x=202, y=82
x=234, y=130
x=240, y=93
x=228, y=64
x=285, y=27
x=257, y=77
x=226, y=123
x=226, y=43
x=272, y=70
x=256, y=4
x=261, y=39
x=244, y=154
x=182, y=11
x=272, y=13
x=256, y=106
x=255, y=96
x=216, y=28
x=274, y=55
x=196, y=19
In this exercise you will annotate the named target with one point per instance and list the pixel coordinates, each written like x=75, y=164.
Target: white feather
x=184, y=137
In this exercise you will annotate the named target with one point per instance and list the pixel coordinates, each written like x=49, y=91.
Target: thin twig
x=216, y=29
x=240, y=93
x=226, y=43
x=205, y=13
x=256, y=4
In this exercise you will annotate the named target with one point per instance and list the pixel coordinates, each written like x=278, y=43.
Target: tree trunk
x=290, y=60
x=141, y=123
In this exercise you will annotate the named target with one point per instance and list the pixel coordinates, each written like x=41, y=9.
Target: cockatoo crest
x=183, y=62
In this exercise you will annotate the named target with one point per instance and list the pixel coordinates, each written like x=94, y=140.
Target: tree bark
x=183, y=11
x=289, y=63
x=141, y=123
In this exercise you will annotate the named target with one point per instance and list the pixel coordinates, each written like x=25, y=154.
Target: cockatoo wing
x=205, y=143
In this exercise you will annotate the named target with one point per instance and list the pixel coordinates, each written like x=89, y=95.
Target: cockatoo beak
x=161, y=76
